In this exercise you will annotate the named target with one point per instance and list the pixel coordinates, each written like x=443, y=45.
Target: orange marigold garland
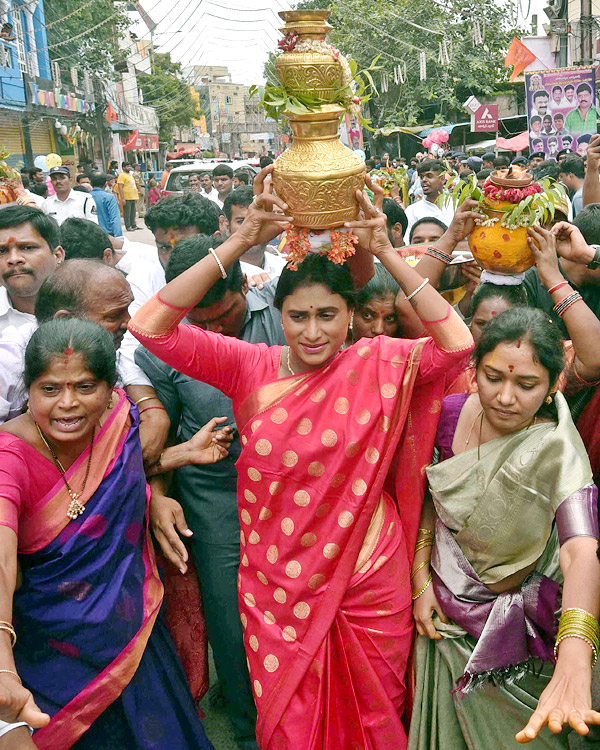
x=339, y=246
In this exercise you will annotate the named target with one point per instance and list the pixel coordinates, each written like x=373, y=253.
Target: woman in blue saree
x=92, y=665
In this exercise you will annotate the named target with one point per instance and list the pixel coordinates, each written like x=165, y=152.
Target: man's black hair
x=178, y=212
x=588, y=223
x=430, y=165
x=98, y=179
x=241, y=196
x=81, y=238
x=426, y=220
x=394, y=214
x=222, y=170
x=573, y=165
x=44, y=225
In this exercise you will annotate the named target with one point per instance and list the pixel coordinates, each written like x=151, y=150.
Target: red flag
x=110, y=115
x=520, y=56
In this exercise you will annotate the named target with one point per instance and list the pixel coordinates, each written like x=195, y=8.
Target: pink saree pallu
x=324, y=587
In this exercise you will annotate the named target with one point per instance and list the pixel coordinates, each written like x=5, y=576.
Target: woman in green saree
x=507, y=540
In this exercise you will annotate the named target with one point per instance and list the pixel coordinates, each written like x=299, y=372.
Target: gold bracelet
x=9, y=629
x=419, y=567
x=145, y=398
x=423, y=544
x=218, y=262
x=14, y=674
x=425, y=532
x=423, y=589
x=581, y=638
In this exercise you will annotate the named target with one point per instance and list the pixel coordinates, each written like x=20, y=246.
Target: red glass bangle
x=558, y=286
x=148, y=408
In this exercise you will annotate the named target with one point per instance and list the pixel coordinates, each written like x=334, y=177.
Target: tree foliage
x=73, y=40
x=363, y=29
x=169, y=95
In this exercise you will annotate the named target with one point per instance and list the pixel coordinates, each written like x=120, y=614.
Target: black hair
x=81, y=238
x=372, y=163
x=573, y=165
x=316, y=269
x=430, y=165
x=588, y=223
x=501, y=162
x=265, y=161
x=222, y=170
x=178, y=212
x=535, y=118
x=567, y=138
x=583, y=87
x=44, y=225
x=125, y=164
x=188, y=252
x=25, y=180
x=515, y=295
x=53, y=337
x=394, y=214
x=569, y=86
x=547, y=169
x=380, y=285
x=98, y=179
x=241, y=196
x=531, y=325
x=83, y=175
x=556, y=87
x=40, y=188
x=559, y=115
x=583, y=138
x=484, y=174
x=426, y=220
x=541, y=92
x=242, y=177
x=547, y=116
x=80, y=189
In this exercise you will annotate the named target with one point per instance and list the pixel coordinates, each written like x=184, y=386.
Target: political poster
x=561, y=110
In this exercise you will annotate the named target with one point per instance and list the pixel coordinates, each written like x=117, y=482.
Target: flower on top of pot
x=513, y=197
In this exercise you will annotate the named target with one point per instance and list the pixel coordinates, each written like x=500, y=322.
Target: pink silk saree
x=325, y=595
x=330, y=483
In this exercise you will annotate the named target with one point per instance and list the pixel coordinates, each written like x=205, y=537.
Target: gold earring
x=548, y=399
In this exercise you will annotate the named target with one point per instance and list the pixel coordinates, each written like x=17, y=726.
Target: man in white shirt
x=66, y=202
x=29, y=252
x=208, y=190
x=223, y=179
x=431, y=174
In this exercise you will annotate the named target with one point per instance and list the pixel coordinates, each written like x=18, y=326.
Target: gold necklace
x=75, y=508
x=479, y=414
x=289, y=364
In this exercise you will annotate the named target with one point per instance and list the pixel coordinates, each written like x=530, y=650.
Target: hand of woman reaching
x=17, y=739
x=423, y=609
x=566, y=701
x=168, y=521
x=17, y=704
x=571, y=244
x=542, y=243
x=261, y=223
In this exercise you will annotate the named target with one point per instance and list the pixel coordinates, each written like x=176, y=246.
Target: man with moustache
x=29, y=252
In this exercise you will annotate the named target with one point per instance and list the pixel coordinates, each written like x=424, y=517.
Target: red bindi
x=494, y=313
x=12, y=239
x=519, y=344
x=511, y=368
x=68, y=351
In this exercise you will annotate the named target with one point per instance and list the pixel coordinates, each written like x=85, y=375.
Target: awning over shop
x=447, y=128
x=387, y=131
x=516, y=143
x=141, y=142
x=120, y=126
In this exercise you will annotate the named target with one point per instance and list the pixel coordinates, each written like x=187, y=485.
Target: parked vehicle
x=177, y=184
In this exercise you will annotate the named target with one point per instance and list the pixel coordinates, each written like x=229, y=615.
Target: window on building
x=229, y=100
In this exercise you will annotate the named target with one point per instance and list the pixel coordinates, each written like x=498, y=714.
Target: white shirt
x=13, y=395
x=8, y=315
x=77, y=204
x=212, y=196
x=38, y=199
x=421, y=209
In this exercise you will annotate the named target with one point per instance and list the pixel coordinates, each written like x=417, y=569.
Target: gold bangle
x=145, y=398
x=423, y=544
x=14, y=674
x=423, y=588
x=6, y=626
x=425, y=532
x=419, y=567
x=581, y=638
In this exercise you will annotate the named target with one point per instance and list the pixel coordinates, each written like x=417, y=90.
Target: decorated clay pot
x=317, y=176
x=7, y=194
x=498, y=249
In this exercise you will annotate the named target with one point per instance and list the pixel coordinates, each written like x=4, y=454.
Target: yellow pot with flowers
x=510, y=202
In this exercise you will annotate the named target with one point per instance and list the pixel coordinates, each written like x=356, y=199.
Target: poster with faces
x=561, y=110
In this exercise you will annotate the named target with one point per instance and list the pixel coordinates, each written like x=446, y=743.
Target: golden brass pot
x=317, y=176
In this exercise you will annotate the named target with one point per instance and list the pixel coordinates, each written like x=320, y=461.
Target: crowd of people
x=370, y=486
